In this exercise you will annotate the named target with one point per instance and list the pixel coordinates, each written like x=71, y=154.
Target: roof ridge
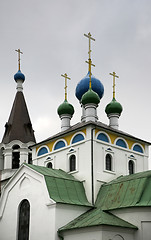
x=129, y=177
x=96, y=217
x=33, y=167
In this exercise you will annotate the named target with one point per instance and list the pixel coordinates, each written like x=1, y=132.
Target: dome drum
x=91, y=112
x=113, y=120
x=65, y=121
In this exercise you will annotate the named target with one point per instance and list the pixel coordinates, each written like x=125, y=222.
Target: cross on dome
x=114, y=76
x=19, y=52
x=66, y=77
x=89, y=36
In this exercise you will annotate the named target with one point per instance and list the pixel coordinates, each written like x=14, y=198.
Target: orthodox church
x=90, y=181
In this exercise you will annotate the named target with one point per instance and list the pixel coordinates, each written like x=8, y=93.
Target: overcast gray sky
x=50, y=34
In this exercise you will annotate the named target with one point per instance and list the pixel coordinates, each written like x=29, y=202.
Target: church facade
x=89, y=181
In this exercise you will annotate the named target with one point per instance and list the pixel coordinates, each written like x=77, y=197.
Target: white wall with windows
x=109, y=160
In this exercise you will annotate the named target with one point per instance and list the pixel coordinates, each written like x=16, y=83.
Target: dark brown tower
x=19, y=126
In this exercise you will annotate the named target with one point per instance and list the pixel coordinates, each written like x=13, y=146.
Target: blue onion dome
x=83, y=86
x=65, y=108
x=113, y=107
x=19, y=76
x=90, y=97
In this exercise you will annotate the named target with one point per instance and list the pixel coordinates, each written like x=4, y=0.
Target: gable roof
x=96, y=217
x=62, y=187
x=19, y=126
x=99, y=125
x=126, y=191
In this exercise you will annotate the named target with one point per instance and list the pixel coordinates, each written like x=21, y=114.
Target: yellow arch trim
x=114, y=136
x=66, y=138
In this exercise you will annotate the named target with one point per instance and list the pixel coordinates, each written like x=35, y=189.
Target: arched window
x=79, y=137
x=131, y=167
x=121, y=143
x=138, y=148
x=72, y=163
x=15, y=156
x=42, y=151
x=29, y=158
x=103, y=137
x=24, y=219
x=59, y=144
x=108, y=162
x=49, y=165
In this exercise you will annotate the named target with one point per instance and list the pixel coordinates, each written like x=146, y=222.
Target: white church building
x=90, y=181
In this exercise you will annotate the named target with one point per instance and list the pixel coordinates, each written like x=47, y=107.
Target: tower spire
x=89, y=36
x=66, y=77
x=19, y=52
x=114, y=76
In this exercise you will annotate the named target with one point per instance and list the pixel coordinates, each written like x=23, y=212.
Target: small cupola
x=65, y=110
x=19, y=77
x=114, y=108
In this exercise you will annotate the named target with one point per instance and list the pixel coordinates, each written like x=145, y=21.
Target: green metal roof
x=96, y=217
x=51, y=172
x=129, y=191
x=62, y=187
x=125, y=191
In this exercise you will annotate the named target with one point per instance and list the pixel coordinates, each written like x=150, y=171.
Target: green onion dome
x=65, y=108
x=90, y=97
x=113, y=107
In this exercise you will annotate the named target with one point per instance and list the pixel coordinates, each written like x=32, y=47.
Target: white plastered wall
x=99, y=233
x=82, y=150
x=45, y=216
x=138, y=216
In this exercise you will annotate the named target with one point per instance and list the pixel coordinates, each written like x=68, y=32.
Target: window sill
x=111, y=172
x=72, y=172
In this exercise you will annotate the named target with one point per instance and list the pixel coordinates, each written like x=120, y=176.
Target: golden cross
x=114, y=76
x=89, y=36
x=66, y=77
x=19, y=52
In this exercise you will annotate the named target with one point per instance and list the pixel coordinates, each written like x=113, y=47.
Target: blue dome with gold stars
x=19, y=76
x=83, y=86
